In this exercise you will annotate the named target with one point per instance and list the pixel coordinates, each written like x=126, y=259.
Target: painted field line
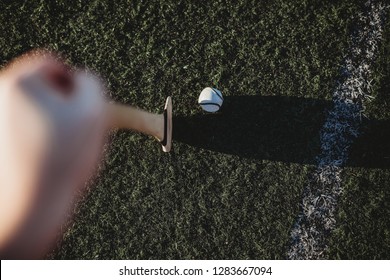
x=317, y=217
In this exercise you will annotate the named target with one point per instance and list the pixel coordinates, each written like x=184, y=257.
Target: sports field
x=232, y=186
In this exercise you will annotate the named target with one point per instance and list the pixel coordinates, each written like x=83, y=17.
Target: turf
x=231, y=188
x=363, y=218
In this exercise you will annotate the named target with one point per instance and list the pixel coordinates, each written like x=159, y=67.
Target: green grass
x=214, y=196
x=363, y=218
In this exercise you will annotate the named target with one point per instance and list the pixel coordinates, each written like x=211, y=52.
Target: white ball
x=210, y=99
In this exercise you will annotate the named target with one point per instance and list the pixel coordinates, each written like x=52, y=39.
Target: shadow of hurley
x=372, y=148
x=276, y=128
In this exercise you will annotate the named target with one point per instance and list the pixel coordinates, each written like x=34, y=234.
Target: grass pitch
x=363, y=218
x=231, y=187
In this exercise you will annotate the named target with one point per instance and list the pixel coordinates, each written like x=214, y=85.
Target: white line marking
x=317, y=217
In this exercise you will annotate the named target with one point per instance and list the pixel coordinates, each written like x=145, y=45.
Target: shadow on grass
x=277, y=128
x=259, y=127
x=372, y=148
